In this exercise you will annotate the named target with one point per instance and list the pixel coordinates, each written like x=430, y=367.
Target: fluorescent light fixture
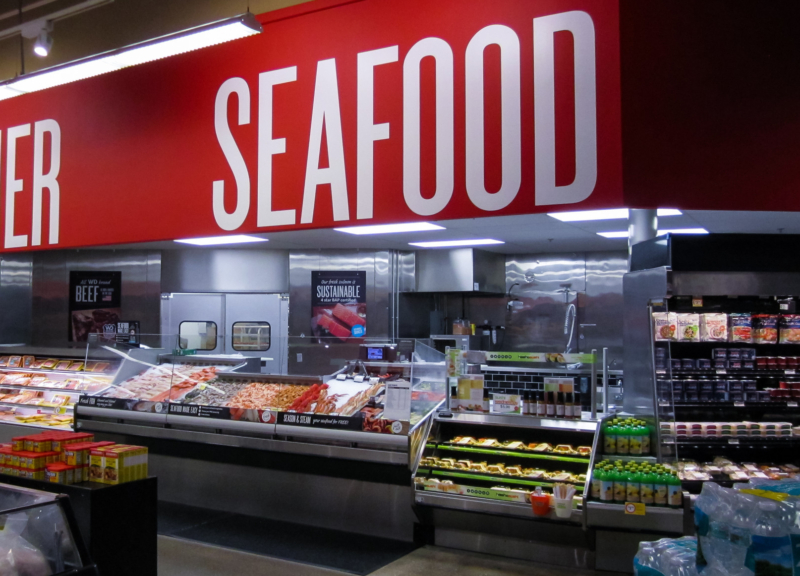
x=613, y=214
x=455, y=243
x=220, y=240
x=683, y=231
x=625, y=233
x=391, y=228
x=148, y=51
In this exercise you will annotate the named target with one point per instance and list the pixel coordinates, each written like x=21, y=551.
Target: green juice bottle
x=632, y=486
x=610, y=440
x=646, y=489
x=635, y=440
x=623, y=440
x=645, y=440
x=674, y=492
x=660, y=490
x=620, y=486
x=607, y=485
x=597, y=483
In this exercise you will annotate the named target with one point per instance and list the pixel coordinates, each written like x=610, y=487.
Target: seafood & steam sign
x=95, y=301
x=339, y=304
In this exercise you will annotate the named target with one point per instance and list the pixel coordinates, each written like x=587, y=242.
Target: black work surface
x=117, y=523
x=323, y=547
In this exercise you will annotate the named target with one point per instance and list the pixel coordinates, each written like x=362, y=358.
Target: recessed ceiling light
x=625, y=233
x=391, y=228
x=613, y=214
x=453, y=243
x=219, y=240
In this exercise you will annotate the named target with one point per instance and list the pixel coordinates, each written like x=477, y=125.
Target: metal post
x=605, y=381
x=593, y=386
x=642, y=225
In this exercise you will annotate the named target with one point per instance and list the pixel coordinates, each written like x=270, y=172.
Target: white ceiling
x=534, y=233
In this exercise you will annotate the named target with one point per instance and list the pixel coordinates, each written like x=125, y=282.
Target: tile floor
x=179, y=557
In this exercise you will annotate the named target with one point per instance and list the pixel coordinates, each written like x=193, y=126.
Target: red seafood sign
x=338, y=113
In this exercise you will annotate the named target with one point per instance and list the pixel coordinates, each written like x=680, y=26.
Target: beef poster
x=339, y=304
x=95, y=300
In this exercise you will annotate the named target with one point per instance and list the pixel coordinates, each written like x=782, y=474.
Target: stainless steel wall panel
x=406, y=272
x=639, y=288
x=317, y=359
x=16, y=298
x=141, y=286
x=225, y=270
x=602, y=318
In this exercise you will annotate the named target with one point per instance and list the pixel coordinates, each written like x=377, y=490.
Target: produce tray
x=514, y=453
x=491, y=478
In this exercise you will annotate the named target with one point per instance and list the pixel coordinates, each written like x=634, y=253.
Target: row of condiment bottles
x=550, y=404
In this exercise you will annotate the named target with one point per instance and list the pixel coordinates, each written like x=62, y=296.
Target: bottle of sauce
x=526, y=403
x=569, y=405
x=541, y=405
x=559, y=404
x=577, y=410
x=550, y=402
x=486, y=401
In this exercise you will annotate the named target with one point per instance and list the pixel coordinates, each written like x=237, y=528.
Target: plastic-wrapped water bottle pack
x=752, y=530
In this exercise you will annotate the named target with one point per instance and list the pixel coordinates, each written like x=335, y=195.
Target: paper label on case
x=635, y=508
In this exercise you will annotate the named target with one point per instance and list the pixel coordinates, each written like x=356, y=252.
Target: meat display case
x=39, y=387
x=224, y=400
x=39, y=535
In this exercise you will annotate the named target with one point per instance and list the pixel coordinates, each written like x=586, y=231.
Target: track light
x=43, y=44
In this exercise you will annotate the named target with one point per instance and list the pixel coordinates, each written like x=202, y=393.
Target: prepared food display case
x=39, y=387
x=376, y=410
x=39, y=535
x=496, y=463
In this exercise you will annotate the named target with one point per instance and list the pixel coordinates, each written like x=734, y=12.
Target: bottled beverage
x=597, y=483
x=645, y=433
x=635, y=440
x=610, y=440
x=674, y=492
x=659, y=490
x=646, y=494
x=620, y=486
x=633, y=482
x=607, y=486
x=623, y=440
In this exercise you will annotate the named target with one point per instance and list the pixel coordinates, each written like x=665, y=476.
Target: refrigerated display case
x=39, y=387
x=39, y=535
x=711, y=345
x=366, y=410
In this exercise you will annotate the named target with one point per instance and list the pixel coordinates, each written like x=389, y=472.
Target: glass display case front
x=36, y=535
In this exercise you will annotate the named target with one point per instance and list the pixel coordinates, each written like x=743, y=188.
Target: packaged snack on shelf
x=765, y=328
x=741, y=328
x=27, y=361
x=713, y=327
x=665, y=325
x=688, y=328
x=790, y=329
x=61, y=473
x=15, y=362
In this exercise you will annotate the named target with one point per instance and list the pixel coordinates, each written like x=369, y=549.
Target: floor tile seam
x=207, y=522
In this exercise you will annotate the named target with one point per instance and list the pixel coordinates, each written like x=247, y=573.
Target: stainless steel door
x=255, y=325
x=177, y=309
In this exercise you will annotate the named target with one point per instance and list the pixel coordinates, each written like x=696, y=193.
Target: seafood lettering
x=327, y=122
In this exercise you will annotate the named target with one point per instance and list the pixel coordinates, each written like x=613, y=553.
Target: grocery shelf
x=629, y=458
x=42, y=389
x=484, y=505
x=729, y=372
x=36, y=406
x=790, y=406
x=771, y=441
x=490, y=478
x=655, y=518
x=521, y=421
x=40, y=425
x=514, y=453
x=45, y=371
